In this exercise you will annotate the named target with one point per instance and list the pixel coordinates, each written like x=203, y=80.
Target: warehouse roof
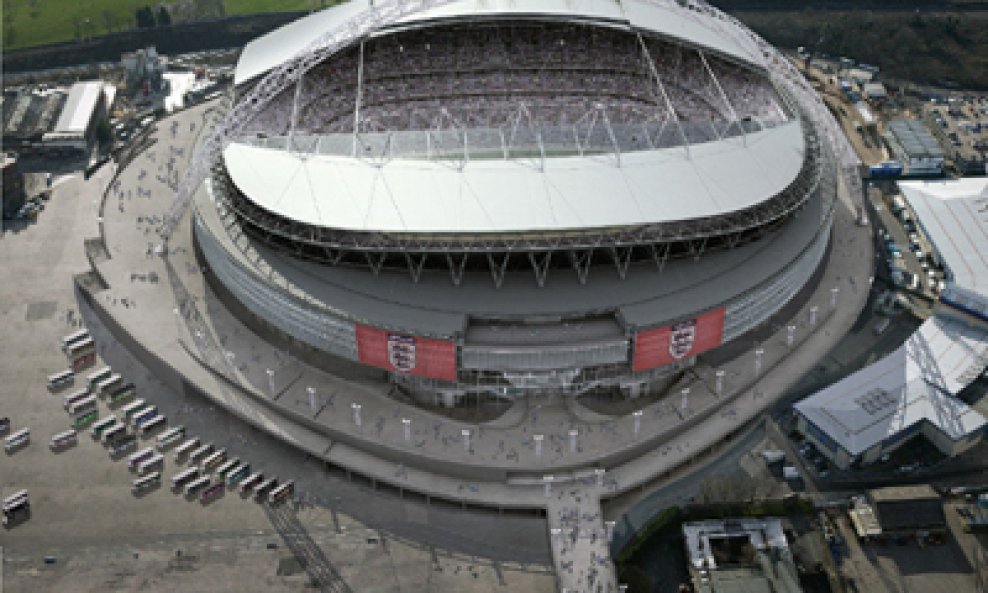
x=915, y=139
x=954, y=216
x=913, y=384
x=79, y=107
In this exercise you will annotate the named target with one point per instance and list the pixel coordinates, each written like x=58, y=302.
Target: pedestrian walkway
x=357, y=425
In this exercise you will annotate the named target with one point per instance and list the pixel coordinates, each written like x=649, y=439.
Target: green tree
x=164, y=19
x=636, y=578
x=145, y=17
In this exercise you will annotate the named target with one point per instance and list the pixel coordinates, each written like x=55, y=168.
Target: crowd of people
x=487, y=76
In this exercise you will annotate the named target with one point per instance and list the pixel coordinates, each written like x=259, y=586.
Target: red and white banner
x=403, y=353
x=681, y=340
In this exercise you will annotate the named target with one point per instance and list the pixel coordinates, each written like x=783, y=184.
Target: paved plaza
x=213, y=374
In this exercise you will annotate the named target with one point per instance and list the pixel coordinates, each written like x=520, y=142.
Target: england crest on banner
x=401, y=352
x=682, y=335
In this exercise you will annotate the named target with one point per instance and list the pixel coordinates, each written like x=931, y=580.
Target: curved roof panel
x=672, y=21
x=520, y=195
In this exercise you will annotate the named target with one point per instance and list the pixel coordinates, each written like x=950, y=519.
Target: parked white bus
x=95, y=378
x=209, y=463
x=15, y=498
x=196, y=485
x=80, y=348
x=74, y=338
x=250, y=481
x=63, y=440
x=136, y=458
x=73, y=397
x=227, y=466
x=186, y=448
x=281, y=492
x=264, y=487
x=146, y=483
x=102, y=425
x=131, y=408
x=200, y=453
x=170, y=437
x=18, y=439
x=156, y=423
x=86, y=404
x=147, y=409
x=184, y=477
x=60, y=380
x=108, y=384
x=114, y=433
x=155, y=462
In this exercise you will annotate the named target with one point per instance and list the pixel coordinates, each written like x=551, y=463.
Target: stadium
x=489, y=199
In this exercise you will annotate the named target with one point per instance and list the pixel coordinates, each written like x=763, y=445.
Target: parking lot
x=101, y=537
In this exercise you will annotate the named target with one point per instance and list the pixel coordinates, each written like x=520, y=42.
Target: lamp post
x=813, y=312
x=638, y=421
x=790, y=335
x=573, y=433
x=833, y=297
x=538, y=438
x=270, y=374
x=719, y=383
x=599, y=472
x=465, y=433
x=547, y=480
x=759, y=352
x=356, y=414
x=312, y=398
x=406, y=424
x=609, y=529
x=684, y=403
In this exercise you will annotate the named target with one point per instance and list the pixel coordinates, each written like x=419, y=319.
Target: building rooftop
x=900, y=493
x=741, y=555
x=915, y=139
x=78, y=110
x=511, y=196
x=954, y=216
x=915, y=383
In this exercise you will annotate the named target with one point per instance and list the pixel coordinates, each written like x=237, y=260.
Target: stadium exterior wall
x=329, y=332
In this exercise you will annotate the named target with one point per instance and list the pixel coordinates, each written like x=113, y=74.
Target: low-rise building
x=908, y=510
x=747, y=554
x=84, y=109
x=912, y=144
x=915, y=389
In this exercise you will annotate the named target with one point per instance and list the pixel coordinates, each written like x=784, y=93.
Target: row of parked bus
x=211, y=473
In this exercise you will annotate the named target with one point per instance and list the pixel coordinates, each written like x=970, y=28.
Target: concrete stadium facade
x=684, y=227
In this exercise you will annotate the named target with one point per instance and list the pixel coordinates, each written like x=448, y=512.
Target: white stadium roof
x=916, y=382
x=495, y=195
x=669, y=20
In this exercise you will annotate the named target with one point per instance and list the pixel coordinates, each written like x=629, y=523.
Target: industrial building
x=908, y=510
x=85, y=107
x=912, y=144
x=29, y=114
x=961, y=126
x=915, y=390
x=742, y=554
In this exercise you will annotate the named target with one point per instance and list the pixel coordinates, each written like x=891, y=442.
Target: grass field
x=36, y=22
